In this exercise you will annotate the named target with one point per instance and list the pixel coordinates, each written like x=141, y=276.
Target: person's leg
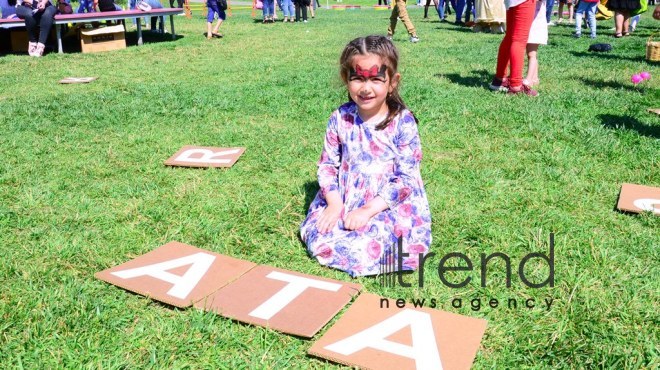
x=591, y=16
x=210, y=14
x=618, y=24
x=394, y=17
x=441, y=9
x=46, y=23
x=297, y=11
x=503, y=53
x=570, y=10
x=549, y=5
x=469, y=4
x=578, y=18
x=426, y=8
x=25, y=13
x=532, y=65
x=460, y=4
x=560, y=12
x=171, y=3
x=626, y=22
x=403, y=14
x=221, y=17
x=304, y=12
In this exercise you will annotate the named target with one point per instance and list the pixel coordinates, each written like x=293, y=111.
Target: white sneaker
x=39, y=50
x=414, y=39
x=32, y=46
x=551, y=23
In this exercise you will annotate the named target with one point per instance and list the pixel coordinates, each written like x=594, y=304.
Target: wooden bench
x=61, y=19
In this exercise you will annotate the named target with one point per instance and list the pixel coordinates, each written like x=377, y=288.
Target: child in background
x=511, y=53
x=560, y=11
x=538, y=35
x=213, y=9
x=588, y=6
x=369, y=172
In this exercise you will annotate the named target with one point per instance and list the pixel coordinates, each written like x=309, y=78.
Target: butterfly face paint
x=374, y=71
x=368, y=87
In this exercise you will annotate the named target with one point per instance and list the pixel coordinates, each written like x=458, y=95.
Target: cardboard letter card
x=176, y=273
x=199, y=156
x=639, y=198
x=372, y=337
x=282, y=300
x=77, y=80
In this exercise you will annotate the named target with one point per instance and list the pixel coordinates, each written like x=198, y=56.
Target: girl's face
x=369, y=84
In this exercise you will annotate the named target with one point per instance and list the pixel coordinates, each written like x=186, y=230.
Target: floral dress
x=361, y=163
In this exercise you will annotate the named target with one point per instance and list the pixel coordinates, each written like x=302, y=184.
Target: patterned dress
x=361, y=163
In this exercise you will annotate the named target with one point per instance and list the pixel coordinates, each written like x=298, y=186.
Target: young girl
x=511, y=53
x=538, y=35
x=371, y=189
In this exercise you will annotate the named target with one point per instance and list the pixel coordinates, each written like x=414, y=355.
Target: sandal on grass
x=618, y=35
x=217, y=35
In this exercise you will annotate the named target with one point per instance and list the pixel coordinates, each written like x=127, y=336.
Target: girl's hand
x=41, y=5
x=357, y=219
x=329, y=218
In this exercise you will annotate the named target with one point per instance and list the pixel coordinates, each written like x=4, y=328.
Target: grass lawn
x=83, y=188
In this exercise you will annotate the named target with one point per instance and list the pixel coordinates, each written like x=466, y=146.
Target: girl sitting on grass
x=371, y=188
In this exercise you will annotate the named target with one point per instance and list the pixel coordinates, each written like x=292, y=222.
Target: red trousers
x=512, y=49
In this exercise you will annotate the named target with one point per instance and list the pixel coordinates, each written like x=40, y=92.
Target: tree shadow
x=629, y=123
x=475, y=78
x=606, y=55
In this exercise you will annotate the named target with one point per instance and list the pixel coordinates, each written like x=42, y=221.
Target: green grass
x=83, y=188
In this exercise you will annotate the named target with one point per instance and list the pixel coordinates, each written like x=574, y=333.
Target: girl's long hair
x=385, y=49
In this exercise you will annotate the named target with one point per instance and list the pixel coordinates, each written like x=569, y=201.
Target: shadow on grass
x=611, y=84
x=310, y=188
x=606, y=56
x=629, y=123
x=456, y=28
x=478, y=78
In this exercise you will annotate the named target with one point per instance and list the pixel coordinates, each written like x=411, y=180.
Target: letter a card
x=282, y=300
x=639, y=198
x=371, y=337
x=176, y=273
x=199, y=156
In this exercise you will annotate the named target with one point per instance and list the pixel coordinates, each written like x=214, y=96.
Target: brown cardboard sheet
x=639, y=198
x=282, y=300
x=77, y=80
x=371, y=337
x=176, y=273
x=200, y=156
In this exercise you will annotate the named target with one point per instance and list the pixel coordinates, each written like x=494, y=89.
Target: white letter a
x=183, y=285
x=423, y=350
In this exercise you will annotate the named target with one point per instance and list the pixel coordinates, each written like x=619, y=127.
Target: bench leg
x=58, y=33
x=172, y=27
x=139, y=31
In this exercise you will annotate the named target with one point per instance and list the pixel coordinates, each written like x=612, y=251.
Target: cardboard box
x=102, y=39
